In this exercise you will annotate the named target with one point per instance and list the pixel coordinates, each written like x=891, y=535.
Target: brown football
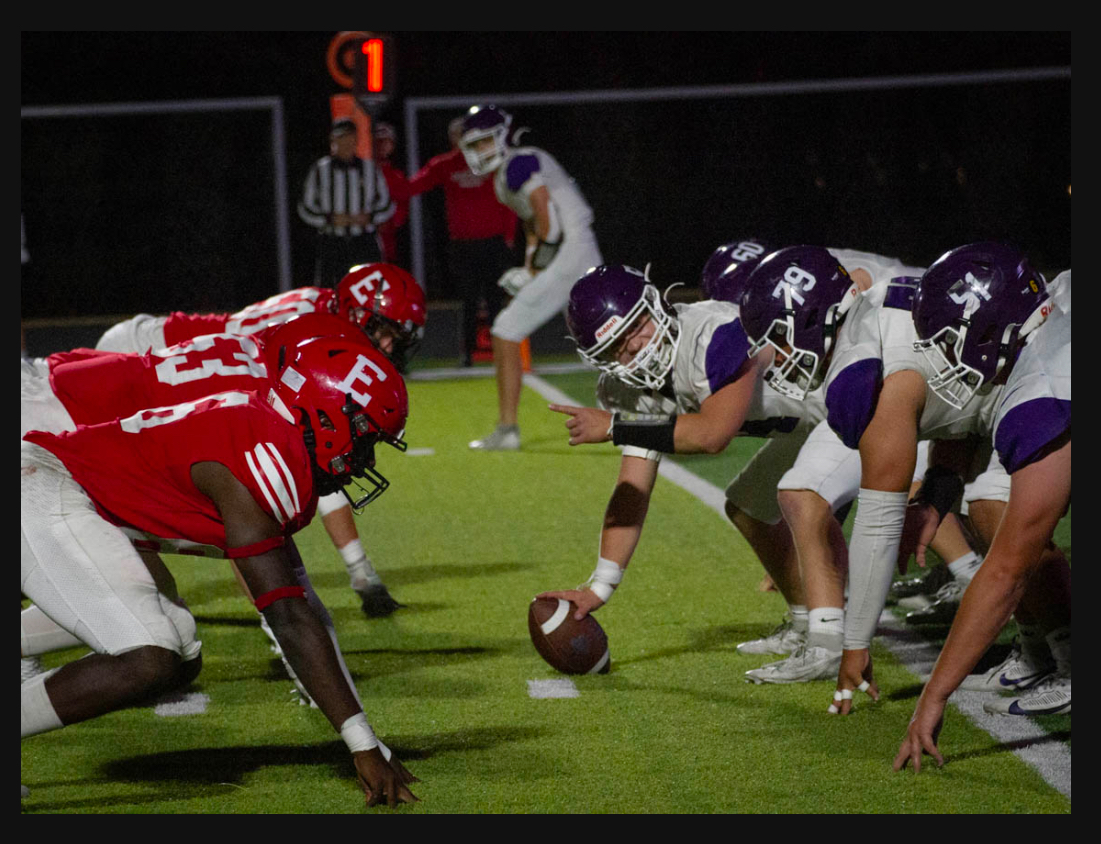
x=571, y=646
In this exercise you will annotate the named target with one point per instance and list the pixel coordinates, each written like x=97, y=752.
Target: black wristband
x=940, y=489
x=654, y=433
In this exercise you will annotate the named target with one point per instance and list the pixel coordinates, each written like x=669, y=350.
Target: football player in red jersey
x=233, y=471
x=382, y=299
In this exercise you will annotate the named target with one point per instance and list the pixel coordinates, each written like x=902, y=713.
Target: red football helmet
x=286, y=335
x=387, y=303
x=345, y=396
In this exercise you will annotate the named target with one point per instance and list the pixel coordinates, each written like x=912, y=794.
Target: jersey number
x=207, y=357
x=155, y=416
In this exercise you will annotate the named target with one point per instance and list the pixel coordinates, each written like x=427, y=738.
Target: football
x=571, y=646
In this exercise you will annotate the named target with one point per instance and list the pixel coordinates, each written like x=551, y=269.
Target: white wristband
x=605, y=578
x=357, y=734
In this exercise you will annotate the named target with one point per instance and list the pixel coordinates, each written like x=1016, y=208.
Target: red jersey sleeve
x=180, y=326
x=137, y=470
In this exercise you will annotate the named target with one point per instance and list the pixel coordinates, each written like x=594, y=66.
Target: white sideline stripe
x=1050, y=758
x=543, y=689
x=192, y=703
x=551, y=624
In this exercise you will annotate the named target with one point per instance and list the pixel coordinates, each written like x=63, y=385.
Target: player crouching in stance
x=984, y=318
x=673, y=379
x=233, y=470
x=384, y=300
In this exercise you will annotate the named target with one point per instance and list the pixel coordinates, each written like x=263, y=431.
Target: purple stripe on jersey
x=900, y=293
x=1026, y=429
x=851, y=399
x=726, y=353
x=520, y=169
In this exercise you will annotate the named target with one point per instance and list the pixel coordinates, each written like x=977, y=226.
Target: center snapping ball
x=571, y=646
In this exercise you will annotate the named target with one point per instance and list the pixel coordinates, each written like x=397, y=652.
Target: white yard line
x=1050, y=757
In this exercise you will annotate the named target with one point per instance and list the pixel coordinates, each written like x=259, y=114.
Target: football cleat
x=377, y=601
x=924, y=585
x=1051, y=696
x=503, y=438
x=785, y=639
x=1014, y=673
x=29, y=666
x=804, y=665
x=943, y=609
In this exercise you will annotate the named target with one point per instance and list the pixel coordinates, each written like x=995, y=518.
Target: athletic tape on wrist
x=605, y=578
x=357, y=734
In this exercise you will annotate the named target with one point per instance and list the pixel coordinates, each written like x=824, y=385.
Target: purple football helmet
x=794, y=301
x=973, y=308
x=608, y=304
x=729, y=266
x=479, y=124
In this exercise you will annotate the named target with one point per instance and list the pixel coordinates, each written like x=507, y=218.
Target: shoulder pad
x=519, y=169
x=851, y=399
x=900, y=293
x=1025, y=431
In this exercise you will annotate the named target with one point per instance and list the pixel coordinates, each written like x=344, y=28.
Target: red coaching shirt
x=473, y=211
x=272, y=311
x=137, y=470
x=101, y=386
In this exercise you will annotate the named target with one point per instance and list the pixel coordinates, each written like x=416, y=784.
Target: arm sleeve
x=431, y=175
x=873, y=551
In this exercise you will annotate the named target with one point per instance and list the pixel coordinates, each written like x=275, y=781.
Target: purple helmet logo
x=484, y=138
x=608, y=305
x=725, y=273
x=972, y=309
x=794, y=301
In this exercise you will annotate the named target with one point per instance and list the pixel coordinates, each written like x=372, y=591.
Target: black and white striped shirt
x=333, y=187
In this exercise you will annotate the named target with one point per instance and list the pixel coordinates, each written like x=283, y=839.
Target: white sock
x=359, y=567
x=964, y=568
x=799, y=618
x=826, y=628
x=36, y=713
x=1059, y=642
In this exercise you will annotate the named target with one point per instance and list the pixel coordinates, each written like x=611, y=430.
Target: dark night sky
x=731, y=187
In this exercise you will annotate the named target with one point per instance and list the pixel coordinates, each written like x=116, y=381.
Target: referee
x=344, y=198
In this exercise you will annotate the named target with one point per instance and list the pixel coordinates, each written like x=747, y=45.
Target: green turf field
x=465, y=540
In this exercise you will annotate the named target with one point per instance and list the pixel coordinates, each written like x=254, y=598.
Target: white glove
x=513, y=279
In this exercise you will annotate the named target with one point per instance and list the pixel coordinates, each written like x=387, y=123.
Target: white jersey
x=880, y=267
x=1035, y=406
x=875, y=341
x=712, y=348
x=528, y=168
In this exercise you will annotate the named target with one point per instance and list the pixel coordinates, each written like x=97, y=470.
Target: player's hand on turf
x=922, y=522
x=382, y=780
x=855, y=675
x=586, y=424
x=921, y=735
x=585, y=600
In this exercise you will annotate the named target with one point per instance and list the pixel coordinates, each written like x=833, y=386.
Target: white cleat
x=804, y=665
x=1015, y=673
x=783, y=640
x=1051, y=696
x=29, y=666
x=503, y=438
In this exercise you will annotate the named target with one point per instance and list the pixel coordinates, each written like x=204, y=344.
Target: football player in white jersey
x=785, y=499
x=675, y=378
x=560, y=247
x=981, y=288
x=878, y=399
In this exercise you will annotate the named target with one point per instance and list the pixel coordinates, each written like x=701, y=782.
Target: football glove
x=513, y=279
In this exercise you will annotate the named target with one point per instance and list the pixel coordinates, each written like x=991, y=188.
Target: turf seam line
x=1051, y=759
